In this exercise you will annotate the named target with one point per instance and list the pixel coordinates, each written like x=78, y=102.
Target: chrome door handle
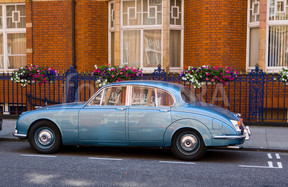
x=122, y=109
x=163, y=110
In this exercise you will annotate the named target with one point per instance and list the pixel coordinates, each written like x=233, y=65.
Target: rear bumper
x=246, y=135
x=19, y=135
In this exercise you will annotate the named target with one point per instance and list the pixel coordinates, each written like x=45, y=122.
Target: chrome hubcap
x=188, y=142
x=45, y=137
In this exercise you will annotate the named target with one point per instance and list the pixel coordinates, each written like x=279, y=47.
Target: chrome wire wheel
x=188, y=145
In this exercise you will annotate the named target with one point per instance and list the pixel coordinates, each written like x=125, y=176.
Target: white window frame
x=143, y=28
x=270, y=69
x=179, y=27
x=6, y=31
x=250, y=25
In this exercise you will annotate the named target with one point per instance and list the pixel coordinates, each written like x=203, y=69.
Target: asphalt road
x=92, y=166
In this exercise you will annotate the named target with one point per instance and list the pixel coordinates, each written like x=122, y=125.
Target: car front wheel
x=44, y=137
x=188, y=145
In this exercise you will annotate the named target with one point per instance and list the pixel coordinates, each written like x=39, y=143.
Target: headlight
x=237, y=125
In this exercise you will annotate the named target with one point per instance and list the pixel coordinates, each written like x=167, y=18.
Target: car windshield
x=188, y=96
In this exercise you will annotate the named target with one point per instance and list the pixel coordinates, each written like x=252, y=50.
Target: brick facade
x=51, y=34
x=215, y=33
x=91, y=34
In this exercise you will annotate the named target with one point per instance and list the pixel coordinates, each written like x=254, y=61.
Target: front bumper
x=246, y=135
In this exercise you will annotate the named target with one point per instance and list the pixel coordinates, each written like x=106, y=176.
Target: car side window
x=97, y=99
x=143, y=96
x=164, y=98
x=114, y=96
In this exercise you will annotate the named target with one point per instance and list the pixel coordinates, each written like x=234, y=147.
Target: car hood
x=213, y=108
x=65, y=105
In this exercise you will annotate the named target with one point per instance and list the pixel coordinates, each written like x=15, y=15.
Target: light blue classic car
x=134, y=113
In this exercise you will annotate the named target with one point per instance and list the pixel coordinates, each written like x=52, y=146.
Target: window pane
x=114, y=96
x=164, y=98
x=16, y=48
x=254, y=10
x=152, y=48
x=132, y=48
x=278, y=10
x=277, y=48
x=152, y=12
x=16, y=43
x=143, y=96
x=131, y=13
x=175, y=12
x=15, y=16
x=112, y=15
x=254, y=47
x=175, y=48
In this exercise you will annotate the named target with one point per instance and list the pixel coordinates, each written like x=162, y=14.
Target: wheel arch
x=187, y=124
x=44, y=119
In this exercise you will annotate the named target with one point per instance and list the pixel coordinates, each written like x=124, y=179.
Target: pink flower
x=212, y=80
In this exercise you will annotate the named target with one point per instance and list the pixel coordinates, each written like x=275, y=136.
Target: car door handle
x=164, y=110
x=122, y=109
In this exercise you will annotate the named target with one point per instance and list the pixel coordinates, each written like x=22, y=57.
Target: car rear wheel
x=188, y=145
x=44, y=137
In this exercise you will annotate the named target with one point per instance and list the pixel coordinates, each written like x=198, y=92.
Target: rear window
x=188, y=96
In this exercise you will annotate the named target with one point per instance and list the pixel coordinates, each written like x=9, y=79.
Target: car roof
x=169, y=86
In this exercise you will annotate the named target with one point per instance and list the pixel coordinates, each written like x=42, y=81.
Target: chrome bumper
x=246, y=135
x=19, y=135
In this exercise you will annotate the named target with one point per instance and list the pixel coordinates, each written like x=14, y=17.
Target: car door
x=103, y=119
x=149, y=115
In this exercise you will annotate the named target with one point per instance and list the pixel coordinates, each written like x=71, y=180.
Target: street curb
x=262, y=149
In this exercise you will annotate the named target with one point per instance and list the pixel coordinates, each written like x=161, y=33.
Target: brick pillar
x=117, y=15
x=262, y=35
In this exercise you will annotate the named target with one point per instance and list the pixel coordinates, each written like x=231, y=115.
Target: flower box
x=34, y=74
x=107, y=74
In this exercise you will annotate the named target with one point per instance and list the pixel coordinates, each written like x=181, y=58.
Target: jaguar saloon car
x=134, y=113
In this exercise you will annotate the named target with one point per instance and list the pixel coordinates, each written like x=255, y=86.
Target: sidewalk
x=263, y=137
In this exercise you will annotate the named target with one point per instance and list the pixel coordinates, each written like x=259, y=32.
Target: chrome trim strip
x=230, y=137
x=20, y=135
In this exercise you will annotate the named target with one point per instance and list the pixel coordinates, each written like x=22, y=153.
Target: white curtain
x=175, y=48
x=132, y=47
x=278, y=46
x=254, y=46
x=152, y=48
x=16, y=47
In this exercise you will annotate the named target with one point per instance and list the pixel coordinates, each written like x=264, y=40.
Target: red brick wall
x=215, y=33
x=52, y=33
x=91, y=34
x=235, y=31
